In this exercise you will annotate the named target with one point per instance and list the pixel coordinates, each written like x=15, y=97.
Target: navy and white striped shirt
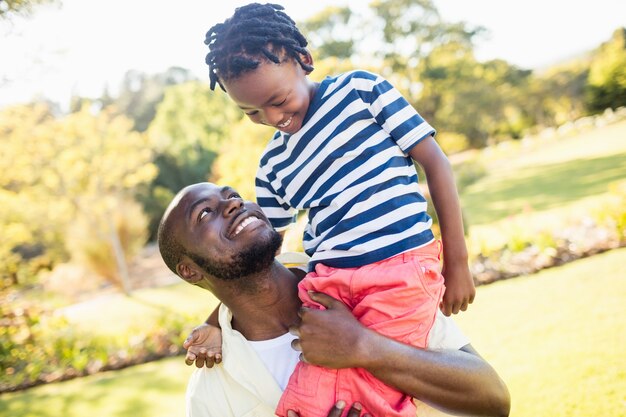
x=349, y=167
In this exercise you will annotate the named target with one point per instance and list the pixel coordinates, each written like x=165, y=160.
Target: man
x=213, y=239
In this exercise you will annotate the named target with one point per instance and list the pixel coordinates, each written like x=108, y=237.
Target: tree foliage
x=191, y=124
x=57, y=172
x=239, y=157
x=412, y=29
x=140, y=93
x=607, y=75
x=556, y=96
x=330, y=32
x=9, y=8
x=431, y=61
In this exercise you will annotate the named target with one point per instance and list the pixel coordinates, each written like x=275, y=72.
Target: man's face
x=276, y=95
x=225, y=236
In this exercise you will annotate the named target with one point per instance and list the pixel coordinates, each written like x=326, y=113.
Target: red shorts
x=397, y=297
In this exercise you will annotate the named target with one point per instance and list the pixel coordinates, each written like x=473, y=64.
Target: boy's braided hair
x=255, y=31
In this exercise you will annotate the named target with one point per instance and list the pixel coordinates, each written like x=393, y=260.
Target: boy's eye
x=204, y=212
x=234, y=195
x=281, y=103
x=252, y=113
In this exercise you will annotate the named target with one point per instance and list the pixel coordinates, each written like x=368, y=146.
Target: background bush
x=38, y=347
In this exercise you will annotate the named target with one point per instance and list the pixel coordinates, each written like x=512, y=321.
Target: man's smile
x=243, y=220
x=247, y=221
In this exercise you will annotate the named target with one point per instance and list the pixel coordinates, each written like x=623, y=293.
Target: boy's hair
x=255, y=31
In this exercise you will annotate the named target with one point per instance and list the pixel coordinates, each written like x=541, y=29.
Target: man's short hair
x=171, y=249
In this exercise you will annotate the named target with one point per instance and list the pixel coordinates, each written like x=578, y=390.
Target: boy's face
x=276, y=95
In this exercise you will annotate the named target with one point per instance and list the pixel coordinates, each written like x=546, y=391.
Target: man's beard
x=249, y=261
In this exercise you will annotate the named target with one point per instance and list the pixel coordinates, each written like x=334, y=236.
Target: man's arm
x=452, y=381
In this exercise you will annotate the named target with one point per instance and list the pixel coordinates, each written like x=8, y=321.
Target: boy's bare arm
x=204, y=343
x=460, y=289
x=213, y=318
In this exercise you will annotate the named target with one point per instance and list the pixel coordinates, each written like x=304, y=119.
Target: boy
x=344, y=151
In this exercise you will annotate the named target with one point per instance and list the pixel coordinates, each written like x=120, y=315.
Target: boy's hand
x=460, y=290
x=204, y=346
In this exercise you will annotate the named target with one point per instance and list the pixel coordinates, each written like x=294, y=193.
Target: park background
x=105, y=112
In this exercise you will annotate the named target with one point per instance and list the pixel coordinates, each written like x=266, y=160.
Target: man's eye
x=251, y=113
x=234, y=195
x=204, y=212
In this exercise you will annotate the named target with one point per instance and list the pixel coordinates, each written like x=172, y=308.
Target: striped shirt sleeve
x=394, y=113
x=279, y=213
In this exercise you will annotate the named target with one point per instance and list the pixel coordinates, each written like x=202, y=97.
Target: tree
x=557, y=95
x=100, y=163
x=607, y=75
x=140, y=93
x=239, y=158
x=80, y=169
x=331, y=33
x=30, y=238
x=9, y=8
x=477, y=100
x=190, y=127
x=412, y=29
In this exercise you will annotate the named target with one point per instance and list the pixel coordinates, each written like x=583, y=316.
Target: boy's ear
x=307, y=59
x=189, y=271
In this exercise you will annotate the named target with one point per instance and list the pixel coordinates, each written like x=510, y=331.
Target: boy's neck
x=313, y=87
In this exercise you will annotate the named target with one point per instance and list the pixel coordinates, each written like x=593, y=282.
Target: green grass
x=115, y=313
x=541, y=186
x=149, y=390
x=557, y=338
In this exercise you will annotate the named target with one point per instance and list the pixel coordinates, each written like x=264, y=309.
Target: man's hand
x=204, y=346
x=337, y=411
x=460, y=290
x=330, y=338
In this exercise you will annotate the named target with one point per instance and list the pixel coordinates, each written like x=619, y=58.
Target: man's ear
x=189, y=271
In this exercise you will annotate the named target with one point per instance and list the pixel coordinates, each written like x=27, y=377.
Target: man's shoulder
x=214, y=393
x=206, y=384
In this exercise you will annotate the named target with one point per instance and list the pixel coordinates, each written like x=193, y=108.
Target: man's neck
x=268, y=311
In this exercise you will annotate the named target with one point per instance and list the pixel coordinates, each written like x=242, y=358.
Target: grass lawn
x=543, y=185
x=156, y=389
x=115, y=313
x=557, y=338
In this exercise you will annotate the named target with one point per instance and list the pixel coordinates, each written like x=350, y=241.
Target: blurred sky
x=83, y=45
